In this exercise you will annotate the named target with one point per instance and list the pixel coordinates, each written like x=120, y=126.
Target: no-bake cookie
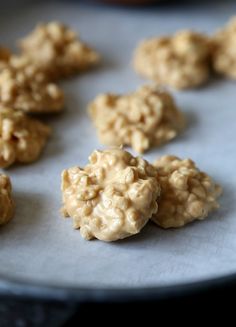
x=23, y=86
x=142, y=119
x=187, y=193
x=22, y=139
x=58, y=50
x=112, y=197
x=180, y=61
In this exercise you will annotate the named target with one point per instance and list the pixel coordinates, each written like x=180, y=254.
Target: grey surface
x=40, y=246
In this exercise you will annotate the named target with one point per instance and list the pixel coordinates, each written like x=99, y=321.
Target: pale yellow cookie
x=58, y=50
x=142, y=119
x=23, y=86
x=180, y=61
x=6, y=202
x=187, y=194
x=22, y=139
x=224, y=50
x=112, y=197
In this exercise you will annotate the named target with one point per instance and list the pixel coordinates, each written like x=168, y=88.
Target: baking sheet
x=39, y=245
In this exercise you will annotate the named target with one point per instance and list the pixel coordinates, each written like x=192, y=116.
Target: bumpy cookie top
x=186, y=192
x=180, y=61
x=21, y=138
x=6, y=202
x=25, y=87
x=112, y=197
x=58, y=50
x=145, y=118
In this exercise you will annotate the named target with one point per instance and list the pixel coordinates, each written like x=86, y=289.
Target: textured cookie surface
x=112, y=197
x=23, y=86
x=142, y=119
x=58, y=50
x=187, y=193
x=21, y=138
x=180, y=61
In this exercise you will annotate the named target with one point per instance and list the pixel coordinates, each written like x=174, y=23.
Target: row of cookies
x=149, y=117
x=94, y=198
x=51, y=52
x=116, y=194
x=187, y=59
x=27, y=86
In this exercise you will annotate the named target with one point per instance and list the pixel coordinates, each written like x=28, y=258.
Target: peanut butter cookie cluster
x=142, y=119
x=23, y=86
x=112, y=197
x=57, y=50
x=187, y=59
x=187, y=193
x=22, y=138
x=180, y=61
x=116, y=194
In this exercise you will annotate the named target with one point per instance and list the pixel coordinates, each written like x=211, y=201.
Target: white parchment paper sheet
x=38, y=245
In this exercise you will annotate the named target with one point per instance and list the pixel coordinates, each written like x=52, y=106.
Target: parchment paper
x=39, y=245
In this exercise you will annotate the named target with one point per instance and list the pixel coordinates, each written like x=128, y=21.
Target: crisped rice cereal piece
x=23, y=86
x=187, y=193
x=6, y=202
x=58, y=50
x=145, y=118
x=112, y=197
x=224, y=50
x=180, y=61
x=21, y=138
